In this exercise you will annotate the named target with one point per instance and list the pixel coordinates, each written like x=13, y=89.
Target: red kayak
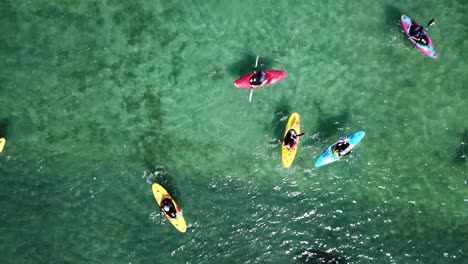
x=272, y=77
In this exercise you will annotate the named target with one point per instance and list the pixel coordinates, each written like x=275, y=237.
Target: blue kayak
x=328, y=157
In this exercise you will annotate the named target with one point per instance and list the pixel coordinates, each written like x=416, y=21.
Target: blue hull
x=328, y=157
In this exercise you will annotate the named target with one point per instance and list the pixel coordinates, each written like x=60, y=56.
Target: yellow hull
x=160, y=194
x=287, y=156
x=2, y=143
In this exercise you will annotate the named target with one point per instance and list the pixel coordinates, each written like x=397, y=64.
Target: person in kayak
x=342, y=148
x=418, y=34
x=290, y=140
x=258, y=78
x=168, y=207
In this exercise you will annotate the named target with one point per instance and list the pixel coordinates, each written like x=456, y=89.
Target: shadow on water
x=392, y=16
x=246, y=65
x=462, y=151
x=319, y=257
x=328, y=125
x=4, y=124
x=277, y=125
x=160, y=176
x=265, y=63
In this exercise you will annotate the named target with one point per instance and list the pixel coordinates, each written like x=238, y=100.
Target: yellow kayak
x=2, y=143
x=287, y=156
x=160, y=194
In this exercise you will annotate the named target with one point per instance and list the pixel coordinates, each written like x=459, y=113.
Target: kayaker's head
x=166, y=208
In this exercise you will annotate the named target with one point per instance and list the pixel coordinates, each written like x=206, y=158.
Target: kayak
x=2, y=143
x=328, y=157
x=408, y=24
x=272, y=77
x=160, y=194
x=287, y=156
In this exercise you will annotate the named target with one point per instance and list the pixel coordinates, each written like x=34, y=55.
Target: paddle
x=251, y=91
x=431, y=22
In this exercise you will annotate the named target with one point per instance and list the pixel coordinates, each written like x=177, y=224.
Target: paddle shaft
x=251, y=90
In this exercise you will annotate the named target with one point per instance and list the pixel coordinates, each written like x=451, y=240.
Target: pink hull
x=428, y=50
x=272, y=77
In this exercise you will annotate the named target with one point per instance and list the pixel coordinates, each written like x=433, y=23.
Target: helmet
x=166, y=208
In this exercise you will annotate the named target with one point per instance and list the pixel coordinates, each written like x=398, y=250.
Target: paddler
x=342, y=148
x=258, y=77
x=290, y=141
x=168, y=207
x=419, y=34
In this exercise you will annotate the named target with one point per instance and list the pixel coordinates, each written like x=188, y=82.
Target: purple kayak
x=409, y=25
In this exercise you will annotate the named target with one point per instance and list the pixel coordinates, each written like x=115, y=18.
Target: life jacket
x=172, y=210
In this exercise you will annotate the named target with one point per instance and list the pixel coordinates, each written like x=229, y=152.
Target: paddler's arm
x=416, y=38
x=349, y=150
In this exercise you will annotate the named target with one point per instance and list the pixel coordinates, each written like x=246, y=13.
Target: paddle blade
x=256, y=61
x=250, y=96
x=431, y=23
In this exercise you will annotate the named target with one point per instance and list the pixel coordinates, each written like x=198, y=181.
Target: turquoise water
x=98, y=99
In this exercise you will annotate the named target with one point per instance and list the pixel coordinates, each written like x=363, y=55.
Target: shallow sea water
x=99, y=99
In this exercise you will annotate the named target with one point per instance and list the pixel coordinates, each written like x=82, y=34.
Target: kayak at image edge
x=2, y=144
